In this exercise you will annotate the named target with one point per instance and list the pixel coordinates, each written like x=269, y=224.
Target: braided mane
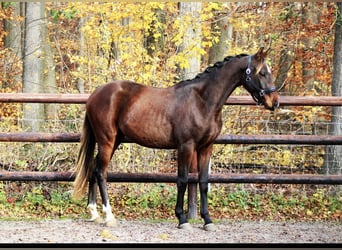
x=210, y=69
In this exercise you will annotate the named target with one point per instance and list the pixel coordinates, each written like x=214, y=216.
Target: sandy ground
x=80, y=231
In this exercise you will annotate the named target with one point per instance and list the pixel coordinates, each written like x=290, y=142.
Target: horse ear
x=261, y=55
x=267, y=51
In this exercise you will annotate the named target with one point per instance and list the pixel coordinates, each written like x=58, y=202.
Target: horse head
x=258, y=80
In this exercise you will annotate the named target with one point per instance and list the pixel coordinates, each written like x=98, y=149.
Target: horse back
x=139, y=112
x=151, y=117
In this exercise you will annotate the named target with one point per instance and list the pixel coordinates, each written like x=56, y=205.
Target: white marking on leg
x=108, y=211
x=93, y=211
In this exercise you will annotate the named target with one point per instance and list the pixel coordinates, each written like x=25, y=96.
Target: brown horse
x=186, y=117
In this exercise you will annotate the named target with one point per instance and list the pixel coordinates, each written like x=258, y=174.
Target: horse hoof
x=209, y=227
x=185, y=226
x=98, y=220
x=95, y=219
x=111, y=223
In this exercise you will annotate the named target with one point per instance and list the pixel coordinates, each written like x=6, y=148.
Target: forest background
x=74, y=47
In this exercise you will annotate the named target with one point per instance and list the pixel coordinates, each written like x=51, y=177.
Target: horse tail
x=85, y=161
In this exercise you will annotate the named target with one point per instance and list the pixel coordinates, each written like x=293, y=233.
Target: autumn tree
x=333, y=161
x=287, y=53
x=154, y=43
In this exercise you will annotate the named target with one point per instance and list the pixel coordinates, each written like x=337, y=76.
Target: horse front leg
x=203, y=165
x=185, y=153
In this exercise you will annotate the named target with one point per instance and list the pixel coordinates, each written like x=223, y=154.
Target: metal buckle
x=248, y=73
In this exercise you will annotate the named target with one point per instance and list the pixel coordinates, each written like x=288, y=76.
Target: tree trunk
x=33, y=63
x=14, y=28
x=310, y=17
x=49, y=81
x=220, y=49
x=14, y=38
x=287, y=55
x=192, y=37
x=285, y=63
x=333, y=161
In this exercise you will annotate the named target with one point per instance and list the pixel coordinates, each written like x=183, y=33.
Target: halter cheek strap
x=261, y=91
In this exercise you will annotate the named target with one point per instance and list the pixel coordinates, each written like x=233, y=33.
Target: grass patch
x=157, y=202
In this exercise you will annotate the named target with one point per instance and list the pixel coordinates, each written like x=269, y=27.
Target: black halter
x=261, y=92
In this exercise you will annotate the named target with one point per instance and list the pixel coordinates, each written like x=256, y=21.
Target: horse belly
x=149, y=129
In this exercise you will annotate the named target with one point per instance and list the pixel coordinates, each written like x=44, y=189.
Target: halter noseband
x=261, y=91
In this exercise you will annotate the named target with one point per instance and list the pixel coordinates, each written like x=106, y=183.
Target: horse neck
x=216, y=90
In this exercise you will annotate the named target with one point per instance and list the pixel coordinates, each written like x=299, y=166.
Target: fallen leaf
x=163, y=236
x=108, y=235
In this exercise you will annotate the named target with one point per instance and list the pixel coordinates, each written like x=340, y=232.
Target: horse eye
x=262, y=73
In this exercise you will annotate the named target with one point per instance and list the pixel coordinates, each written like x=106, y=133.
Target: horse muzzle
x=271, y=101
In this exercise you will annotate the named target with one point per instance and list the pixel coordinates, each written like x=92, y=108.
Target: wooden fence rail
x=147, y=177
x=172, y=178
x=222, y=139
x=232, y=100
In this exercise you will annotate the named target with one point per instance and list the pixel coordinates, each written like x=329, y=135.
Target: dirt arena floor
x=80, y=231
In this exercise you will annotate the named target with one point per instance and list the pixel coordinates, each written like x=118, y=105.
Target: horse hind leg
x=101, y=169
x=92, y=200
x=185, y=153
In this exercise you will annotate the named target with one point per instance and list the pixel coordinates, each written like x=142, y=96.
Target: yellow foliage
x=142, y=42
